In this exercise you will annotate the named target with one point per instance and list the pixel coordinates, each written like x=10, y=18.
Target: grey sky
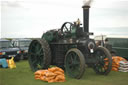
x=30, y=18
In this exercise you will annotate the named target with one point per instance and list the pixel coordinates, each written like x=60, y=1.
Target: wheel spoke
x=40, y=50
x=33, y=45
x=66, y=28
x=70, y=65
x=70, y=27
x=33, y=54
x=76, y=60
x=34, y=61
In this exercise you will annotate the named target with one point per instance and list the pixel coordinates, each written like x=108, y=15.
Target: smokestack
x=86, y=7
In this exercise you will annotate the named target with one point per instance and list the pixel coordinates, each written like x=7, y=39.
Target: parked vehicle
x=119, y=44
x=7, y=51
x=23, y=45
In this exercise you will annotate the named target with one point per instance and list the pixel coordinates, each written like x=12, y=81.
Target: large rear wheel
x=103, y=63
x=74, y=63
x=39, y=54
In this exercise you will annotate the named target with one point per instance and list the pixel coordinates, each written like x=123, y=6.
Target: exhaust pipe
x=86, y=7
x=86, y=18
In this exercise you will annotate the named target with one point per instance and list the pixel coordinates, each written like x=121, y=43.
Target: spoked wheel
x=66, y=28
x=103, y=63
x=74, y=63
x=39, y=54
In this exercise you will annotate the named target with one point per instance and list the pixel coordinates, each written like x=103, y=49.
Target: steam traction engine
x=70, y=48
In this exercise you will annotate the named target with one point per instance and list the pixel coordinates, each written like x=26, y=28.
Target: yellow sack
x=11, y=63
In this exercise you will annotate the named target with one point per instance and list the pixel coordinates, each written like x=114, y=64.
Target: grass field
x=22, y=75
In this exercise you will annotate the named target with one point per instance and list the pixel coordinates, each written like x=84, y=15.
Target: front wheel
x=74, y=63
x=103, y=63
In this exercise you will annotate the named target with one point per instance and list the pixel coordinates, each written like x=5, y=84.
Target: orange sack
x=58, y=73
x=60, y=78
x=43, y=78
x=53, y=69
x=38, y=72
x=50, y=74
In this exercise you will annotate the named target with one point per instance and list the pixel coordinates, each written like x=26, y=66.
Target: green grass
x=23, y=75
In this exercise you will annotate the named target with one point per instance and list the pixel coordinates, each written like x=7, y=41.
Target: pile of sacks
x=54, y=74
x=116, y=62
x=123, y=66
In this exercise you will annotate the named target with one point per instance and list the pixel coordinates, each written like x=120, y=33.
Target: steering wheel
x=66, y=28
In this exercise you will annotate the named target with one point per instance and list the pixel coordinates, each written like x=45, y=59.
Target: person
x=98, y=43
x=109, y=47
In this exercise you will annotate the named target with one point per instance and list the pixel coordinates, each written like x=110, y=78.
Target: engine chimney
x=86, y=7
x=86, y=18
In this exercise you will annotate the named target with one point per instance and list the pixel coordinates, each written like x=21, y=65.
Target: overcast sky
x=30, y=18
